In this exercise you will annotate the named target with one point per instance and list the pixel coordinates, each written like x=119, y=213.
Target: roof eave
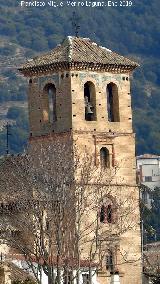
x=56, y=66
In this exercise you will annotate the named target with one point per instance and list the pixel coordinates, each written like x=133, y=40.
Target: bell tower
x=82, y=89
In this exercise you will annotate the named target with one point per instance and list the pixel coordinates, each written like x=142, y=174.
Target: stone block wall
x=90, y=136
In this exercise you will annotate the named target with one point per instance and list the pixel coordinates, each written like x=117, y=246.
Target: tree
x=14, y=112
x=150, y=217
x=156, y=279
x=27, y=281
x=62, y=201
x=152, y=264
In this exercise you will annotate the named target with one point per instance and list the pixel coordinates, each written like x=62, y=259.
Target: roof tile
x=79, y=50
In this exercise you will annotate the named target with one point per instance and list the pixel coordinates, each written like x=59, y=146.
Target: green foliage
x=15, y=112
x=7, y=50
x=151, y=217
x=13, y=90
x=156, y=279
x=18, y=131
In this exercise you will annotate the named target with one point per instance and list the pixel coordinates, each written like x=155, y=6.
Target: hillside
x=131, y=31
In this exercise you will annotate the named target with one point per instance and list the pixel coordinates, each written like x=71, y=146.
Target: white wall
x=23, y=265
x=149, y=167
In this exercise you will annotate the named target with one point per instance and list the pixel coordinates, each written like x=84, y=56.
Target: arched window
x=50, y=102
x=106, y=213
x=109, y=213
x=102, y=214
x=112, y=103
x=90, y=101
x=104, y=157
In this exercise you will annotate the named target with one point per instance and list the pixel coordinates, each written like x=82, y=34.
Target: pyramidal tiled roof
x=77, y=50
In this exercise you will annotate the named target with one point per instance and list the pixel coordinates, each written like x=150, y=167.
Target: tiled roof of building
x=79, y=50
x=152, y=246
x=148, y=156
x=70, y=261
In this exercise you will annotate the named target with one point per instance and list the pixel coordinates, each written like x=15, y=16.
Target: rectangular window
x=68, y=277
x=110, y=261
x=85, y=277
x=148, y=178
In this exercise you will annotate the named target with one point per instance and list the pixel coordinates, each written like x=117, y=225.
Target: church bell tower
x=82, y=89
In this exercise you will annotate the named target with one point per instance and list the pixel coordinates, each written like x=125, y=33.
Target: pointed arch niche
x=112, y=102
x=49, y=98
x=90, y=101
x=108, y=212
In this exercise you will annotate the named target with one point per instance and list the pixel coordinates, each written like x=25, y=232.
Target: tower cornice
x=74, y=66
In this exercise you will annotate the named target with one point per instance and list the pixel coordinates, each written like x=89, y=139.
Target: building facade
x=148, y=170
x=81, y=91
x=148, y=174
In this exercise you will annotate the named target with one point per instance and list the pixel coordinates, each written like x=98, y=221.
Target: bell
x=88, y=110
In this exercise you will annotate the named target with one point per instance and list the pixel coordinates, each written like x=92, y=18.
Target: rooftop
x=148, y=156
x=77, y=52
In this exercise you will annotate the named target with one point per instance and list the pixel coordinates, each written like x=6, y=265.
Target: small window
x=148, y=178
x=106, y=214
x=1, y=208
x=104, y=157
x=15, y=234
x=67, y=277
x=47, y=224
x=110, y=261
x=109, y=213
x=85, y=278
x=102, y=214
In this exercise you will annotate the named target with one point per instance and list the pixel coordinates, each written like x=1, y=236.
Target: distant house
x=148, y=174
